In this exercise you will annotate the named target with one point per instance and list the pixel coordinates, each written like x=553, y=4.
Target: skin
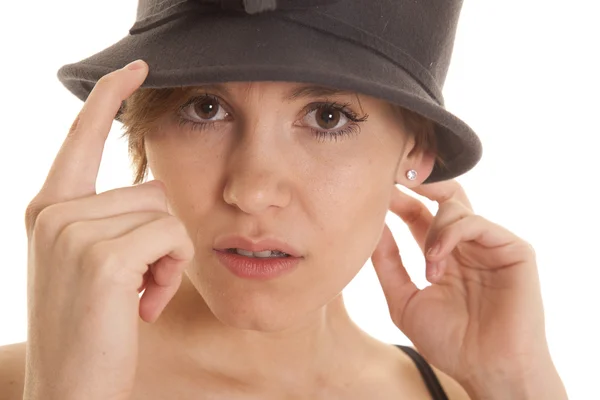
x=219, y=336
x=223, y=181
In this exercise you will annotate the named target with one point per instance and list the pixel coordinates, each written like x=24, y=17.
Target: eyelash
x=351, y=128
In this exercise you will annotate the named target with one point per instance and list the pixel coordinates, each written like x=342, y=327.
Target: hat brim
x=197, y=49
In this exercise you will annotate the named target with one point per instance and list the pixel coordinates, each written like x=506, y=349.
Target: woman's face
x=274, y=160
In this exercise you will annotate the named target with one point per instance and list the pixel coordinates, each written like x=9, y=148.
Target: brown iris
x=207, y=108
x=327, y=117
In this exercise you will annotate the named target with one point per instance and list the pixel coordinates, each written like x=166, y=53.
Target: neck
x=326, y=346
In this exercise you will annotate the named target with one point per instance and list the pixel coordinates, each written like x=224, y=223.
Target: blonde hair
x=146, y=106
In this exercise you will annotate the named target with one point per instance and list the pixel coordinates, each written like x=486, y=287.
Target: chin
x=265, y=306
x=256, y=314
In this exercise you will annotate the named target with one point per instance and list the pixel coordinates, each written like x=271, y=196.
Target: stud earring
x=411, y=175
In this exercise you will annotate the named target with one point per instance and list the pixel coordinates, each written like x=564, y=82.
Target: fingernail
x=137, y=64
x=432, y=270
x=434, y=250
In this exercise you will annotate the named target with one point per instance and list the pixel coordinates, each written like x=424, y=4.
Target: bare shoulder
x=12, y=371
x=406, y=379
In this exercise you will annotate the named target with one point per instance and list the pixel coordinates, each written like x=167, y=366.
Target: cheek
x=351, y=215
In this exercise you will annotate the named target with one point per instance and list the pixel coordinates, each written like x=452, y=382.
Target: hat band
x=257, y=6
x=315, y=20
x=149, y=14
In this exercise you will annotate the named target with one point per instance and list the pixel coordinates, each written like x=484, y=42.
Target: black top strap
x=431, y=380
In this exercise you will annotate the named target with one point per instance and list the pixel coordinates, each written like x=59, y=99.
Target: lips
x=257, y=268
x=223, y=243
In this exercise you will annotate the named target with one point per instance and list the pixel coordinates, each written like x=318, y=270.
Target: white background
x=525, y=76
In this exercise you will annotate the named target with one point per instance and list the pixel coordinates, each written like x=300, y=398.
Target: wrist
x=518, y=383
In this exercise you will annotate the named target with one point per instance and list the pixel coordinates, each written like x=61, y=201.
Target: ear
x=421, y=163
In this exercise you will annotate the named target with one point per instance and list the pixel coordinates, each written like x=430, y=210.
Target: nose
x=258, y=177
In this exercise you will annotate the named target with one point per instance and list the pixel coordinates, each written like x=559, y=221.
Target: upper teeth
x=265, y=253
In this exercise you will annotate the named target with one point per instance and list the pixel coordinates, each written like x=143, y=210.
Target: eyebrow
x=298, y=92
x=304, y=91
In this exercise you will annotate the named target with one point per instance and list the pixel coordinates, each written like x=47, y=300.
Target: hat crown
x=418, y=35
x=148, y=8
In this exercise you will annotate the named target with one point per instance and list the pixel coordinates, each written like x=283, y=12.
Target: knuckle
x=157, y=193
x=104, y=264
x=45, y=222
x=456, y=207
x=468, y=221
x=521, y=250
x=478, y=219
x=459, y=189
x=149, y=196
x=530, y=250
x=32, y=211
x=98, y=255
x=71, y=238
x=75, y=124
x=106, y=87
x=456, y=192
x=453, y=187
x=105, y=82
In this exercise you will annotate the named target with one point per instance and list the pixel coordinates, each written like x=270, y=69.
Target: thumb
x=163, y=281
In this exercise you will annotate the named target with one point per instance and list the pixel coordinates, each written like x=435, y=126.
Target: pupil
x=206, y=109
x=328, y=117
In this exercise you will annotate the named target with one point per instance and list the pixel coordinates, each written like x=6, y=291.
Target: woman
x=276, y=134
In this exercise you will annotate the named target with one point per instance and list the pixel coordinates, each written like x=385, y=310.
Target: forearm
x=542, y=382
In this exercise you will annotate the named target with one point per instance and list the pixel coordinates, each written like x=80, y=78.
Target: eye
x=204, y=109
x=327, y=117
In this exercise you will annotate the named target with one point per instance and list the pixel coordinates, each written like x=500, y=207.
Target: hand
x=482, y=317
x=89, y=256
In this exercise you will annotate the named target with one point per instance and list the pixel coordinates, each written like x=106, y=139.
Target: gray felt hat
x=395, y=50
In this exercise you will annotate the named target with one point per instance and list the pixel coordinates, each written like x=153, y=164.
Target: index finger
x=444, y=191
x=414, y=213
x=75, y=169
